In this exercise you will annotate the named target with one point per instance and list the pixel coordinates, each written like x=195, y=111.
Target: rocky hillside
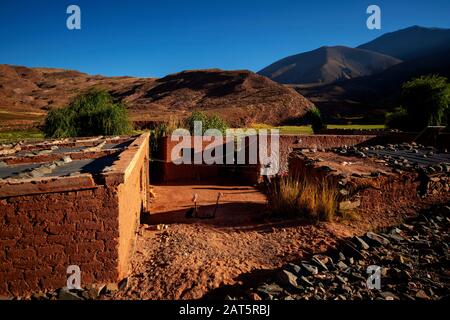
x=241, y=97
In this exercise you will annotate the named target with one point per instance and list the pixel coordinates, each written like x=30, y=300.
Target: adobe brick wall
x=288, y=142
x=132, y=200
x=50, y=223
x=165, y=171
x=375, y=194
x=41, y=235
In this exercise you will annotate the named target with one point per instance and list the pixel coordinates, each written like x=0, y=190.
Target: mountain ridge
x=409, y=43
x=327, y=64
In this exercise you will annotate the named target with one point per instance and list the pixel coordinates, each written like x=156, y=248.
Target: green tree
x=208, y=122
x=425, y=102
x=314, y=118
x=89, y=114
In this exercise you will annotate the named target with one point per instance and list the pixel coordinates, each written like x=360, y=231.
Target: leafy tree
x=89, y=114
x=425, y=102
x=208, y=122
x=314, y=117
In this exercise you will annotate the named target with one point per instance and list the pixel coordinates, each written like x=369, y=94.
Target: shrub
x=314, y=117
x=208, y=122
x=163, y=130
x=90, y=114
x=425, y=102
x=398, y=119
x=313, y=199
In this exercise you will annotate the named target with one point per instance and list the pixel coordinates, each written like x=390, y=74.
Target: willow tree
x=89, y=114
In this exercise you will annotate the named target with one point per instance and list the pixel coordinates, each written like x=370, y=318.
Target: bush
x=163, y=129
x=208, y=122
x=425, y=102
x=398, y=119
x=313, y=199
x=90, y=114
x=314, y=118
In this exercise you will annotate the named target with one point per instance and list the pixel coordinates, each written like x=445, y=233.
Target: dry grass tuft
x=311, y=198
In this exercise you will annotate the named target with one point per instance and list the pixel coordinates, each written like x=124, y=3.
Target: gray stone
x=66, y=294
x=306, y=281
x=341, y=279
x=310, y=269
x=291, y=267
x=319, y=263
x=288, y=278
x=123, y=284
x=361, y=243
x=377, y=239
x=350, y=250
x=270, y=290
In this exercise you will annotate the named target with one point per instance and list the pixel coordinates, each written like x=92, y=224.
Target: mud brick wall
x=41, y=235
x=166, y=172
x=132, y=200
x=376, y=194
x=51, y=223
x=186, y=172
x=288, y=142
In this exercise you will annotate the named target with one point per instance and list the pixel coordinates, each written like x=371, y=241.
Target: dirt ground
x=192, y=257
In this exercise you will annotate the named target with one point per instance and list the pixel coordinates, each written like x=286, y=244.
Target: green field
x=308, y=129
x=357, y=126
x=18, y=135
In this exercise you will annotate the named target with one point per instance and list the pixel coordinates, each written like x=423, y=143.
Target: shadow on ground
x=242, y=216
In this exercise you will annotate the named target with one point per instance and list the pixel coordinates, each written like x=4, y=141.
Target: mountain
x=410, y=43
x=370, y=97
x=241, y=97
x=327, y=64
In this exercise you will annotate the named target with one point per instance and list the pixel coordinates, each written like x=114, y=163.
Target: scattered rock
x=255, y=297
x=310, y=269
x=295, y=269
x=288, y=279
x=410, y=269
x=422, y=295
x=66, y=294
x=377, y=239
x=361, y=243
x=319, y=263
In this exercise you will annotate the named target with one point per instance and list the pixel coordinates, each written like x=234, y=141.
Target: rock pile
x=403, y=157
x=413, y=261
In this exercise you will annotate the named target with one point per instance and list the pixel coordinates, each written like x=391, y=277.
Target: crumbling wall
x=289, y=142
x=376, y=190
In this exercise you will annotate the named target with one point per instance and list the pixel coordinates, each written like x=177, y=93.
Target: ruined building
x=70, y=202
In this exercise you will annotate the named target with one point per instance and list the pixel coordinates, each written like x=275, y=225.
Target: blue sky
x=153, y=38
